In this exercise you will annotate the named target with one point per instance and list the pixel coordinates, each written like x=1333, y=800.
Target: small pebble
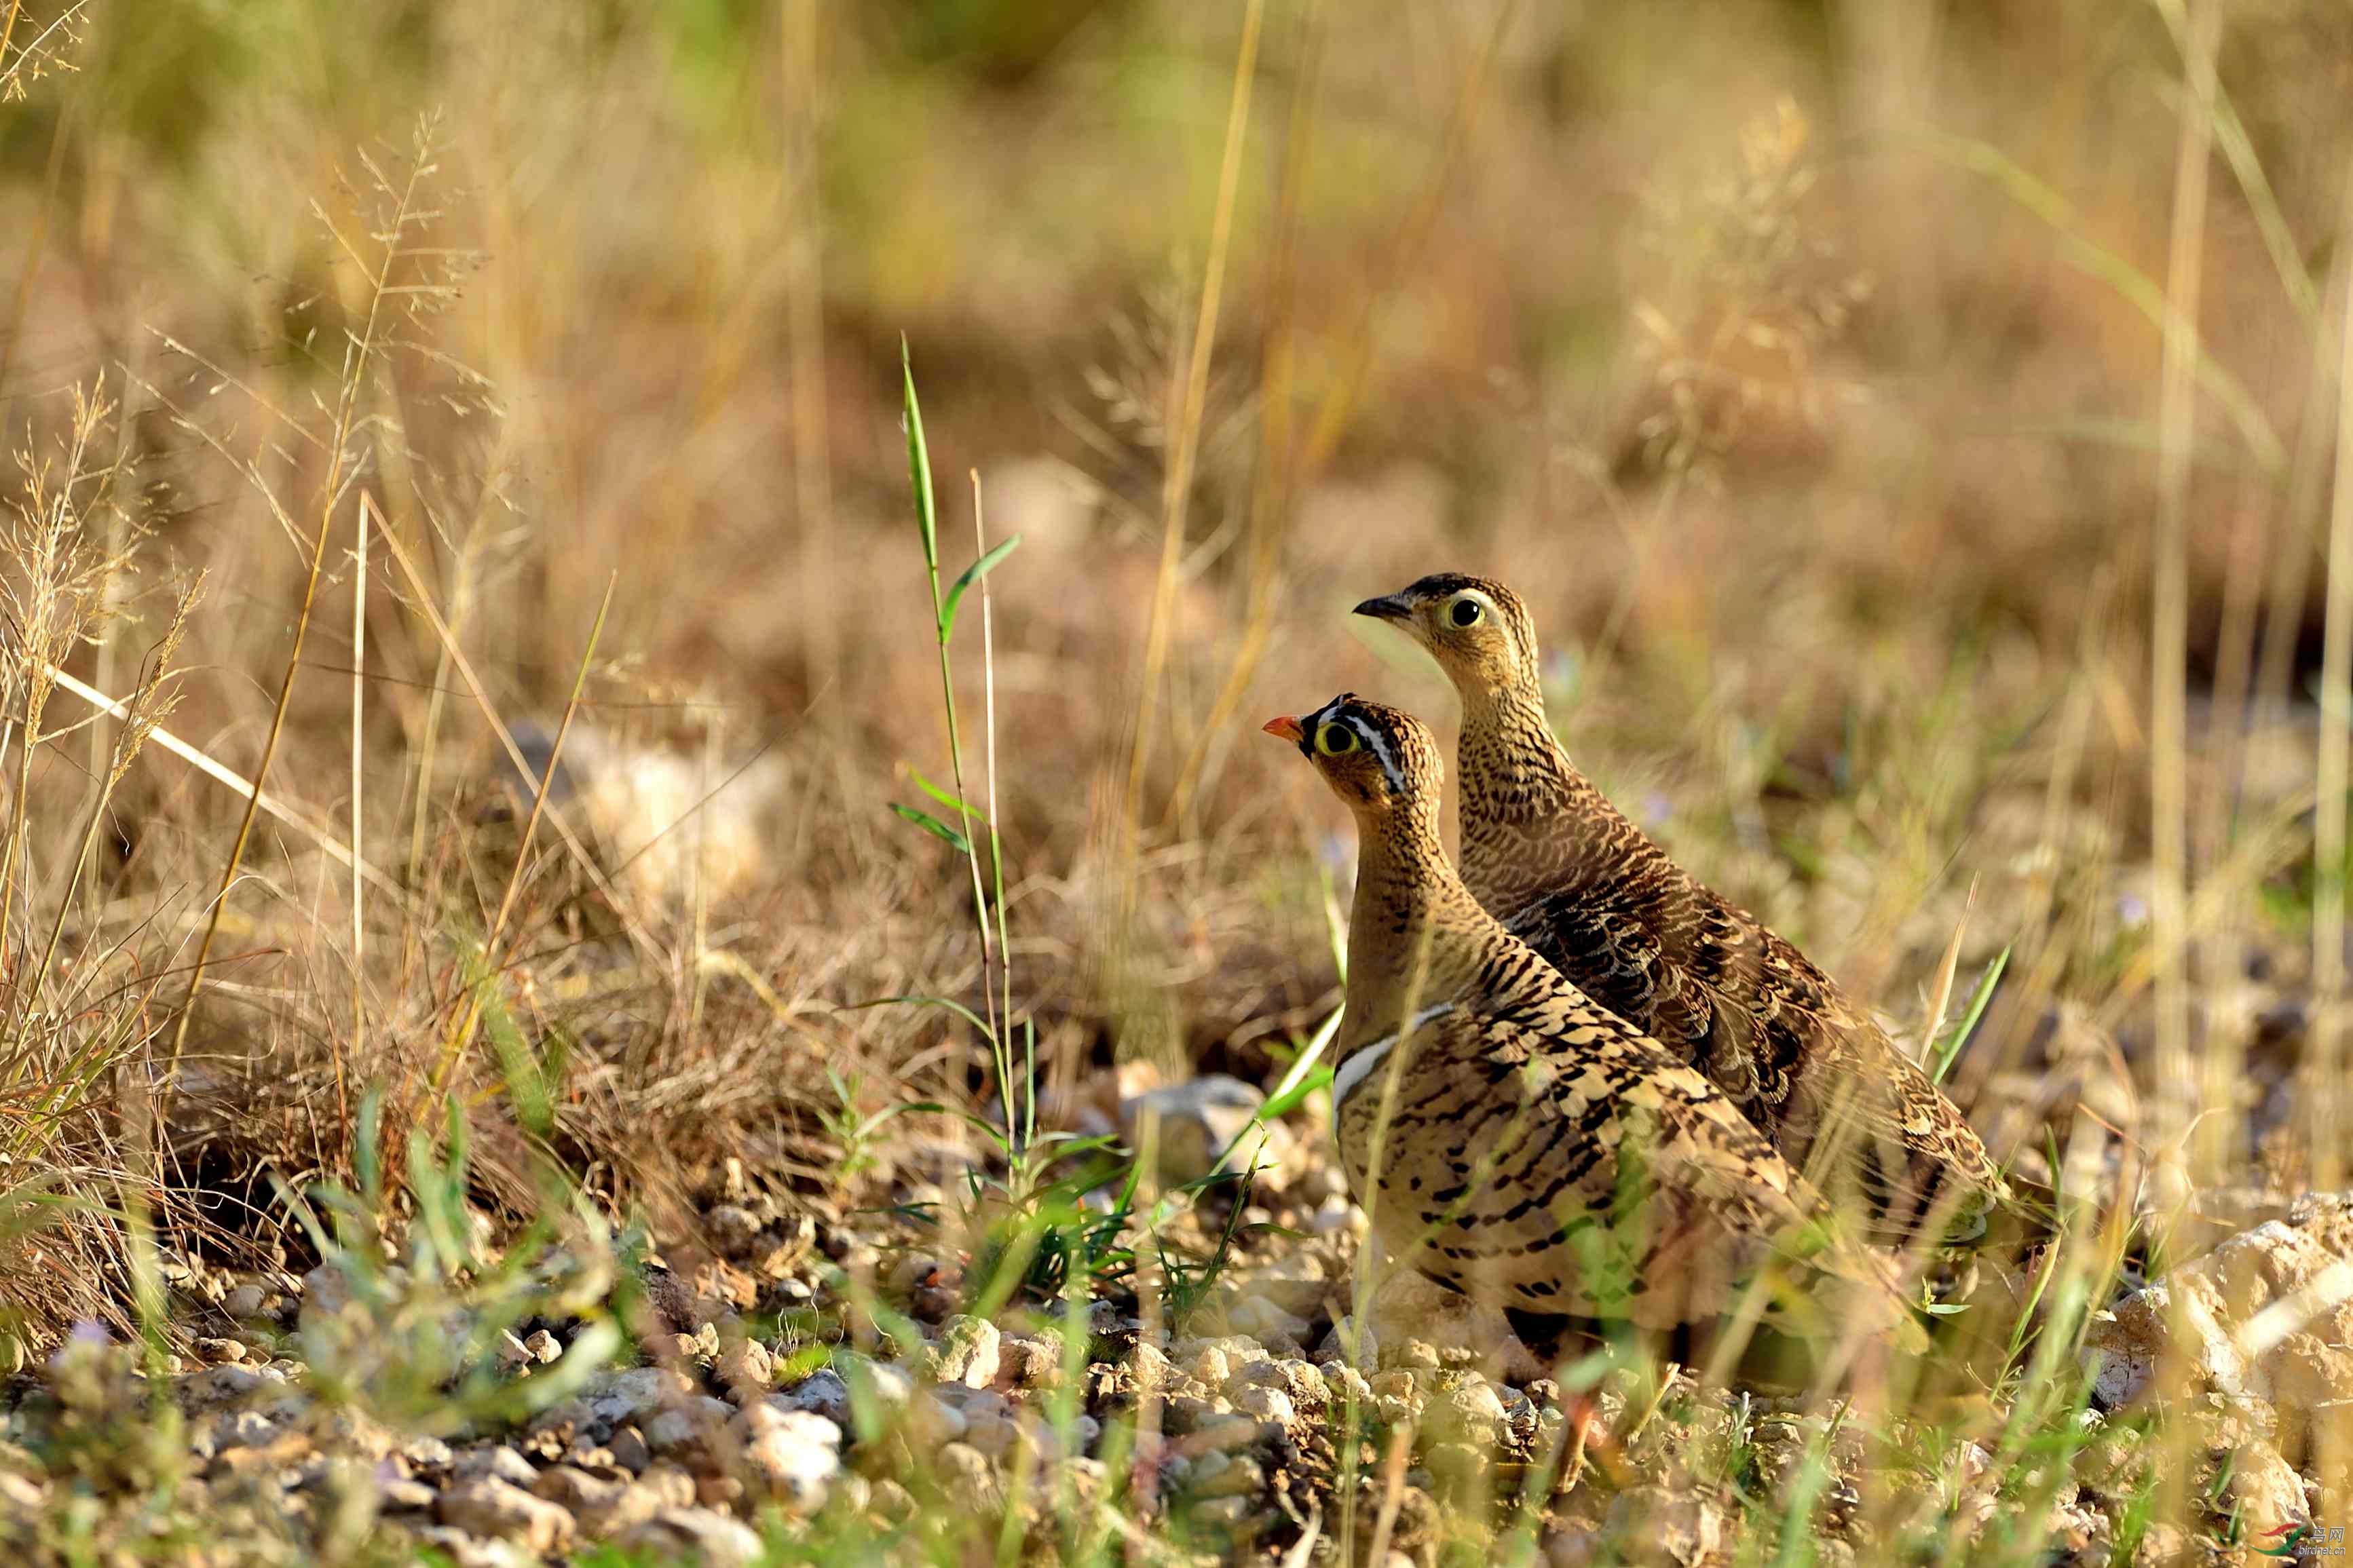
x=629, y=1450
x=499, y=1461
x=414, y=1497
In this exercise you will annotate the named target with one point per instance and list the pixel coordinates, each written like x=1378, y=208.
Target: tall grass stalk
x=72, y=1022
x=360, y=350
x=8, y=37
x=36, y=55
x=1177, y=479
x=2169, y=603
x=995, y=1026
x=358, y=800
x=1288, y=462
x=421, y=600
x=57, y=590
x=2324, y=1072
x=118, y=530
x=1274, y=477
x=469, y=1014
x=1369, y=1274
x=461, y=602
x=996, y=840
x=698, y=925
x=2196, y=44
x=2291, y=575
x=805, y=347
x=29, y=266
x=2243, y=574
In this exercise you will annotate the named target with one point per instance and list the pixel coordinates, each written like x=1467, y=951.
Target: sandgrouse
x=1565, y=870
x=1515, y=1140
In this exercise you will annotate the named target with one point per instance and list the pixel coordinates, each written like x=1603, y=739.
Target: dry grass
x=1818, y=375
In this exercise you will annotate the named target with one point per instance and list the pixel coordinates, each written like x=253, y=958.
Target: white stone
x=793, y=1455
x=967, y=1353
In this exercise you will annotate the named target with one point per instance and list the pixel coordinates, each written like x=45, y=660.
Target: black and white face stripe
x=1369, y=735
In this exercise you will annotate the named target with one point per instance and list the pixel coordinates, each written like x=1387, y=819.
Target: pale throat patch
x=1358, y=1067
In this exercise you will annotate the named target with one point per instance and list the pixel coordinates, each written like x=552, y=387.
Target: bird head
x=1477, y=629
x=1375, y=758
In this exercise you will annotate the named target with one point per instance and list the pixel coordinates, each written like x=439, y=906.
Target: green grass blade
x=972, y=574
x=934, y=825
x=527, y=1084
x=981, y=1124
x=1295, y=1094
x=1336, y=924
x=945, y=796
x=1303, y=1078
x=919, y=464
x=1950, y=1051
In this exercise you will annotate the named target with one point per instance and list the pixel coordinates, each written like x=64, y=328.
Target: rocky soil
x=825, y=1379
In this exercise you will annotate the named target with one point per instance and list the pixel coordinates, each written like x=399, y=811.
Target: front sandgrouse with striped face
x=1568, y=873
x=1507, y=1136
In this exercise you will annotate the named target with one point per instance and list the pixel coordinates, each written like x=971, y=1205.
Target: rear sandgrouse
x=1567, y=872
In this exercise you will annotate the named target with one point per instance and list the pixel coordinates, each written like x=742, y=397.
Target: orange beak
x=1285, y=729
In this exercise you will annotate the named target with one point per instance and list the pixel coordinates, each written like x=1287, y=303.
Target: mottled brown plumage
x=1566, y=871
x=1509, y=1137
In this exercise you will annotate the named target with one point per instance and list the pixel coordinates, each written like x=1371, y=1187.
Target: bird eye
x=1335, y=739
x=1464, y=612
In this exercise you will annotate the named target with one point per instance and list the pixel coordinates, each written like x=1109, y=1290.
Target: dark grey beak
x=1390, y=607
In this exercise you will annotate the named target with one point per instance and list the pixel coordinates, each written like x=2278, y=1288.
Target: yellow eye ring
x=1335, y=739
x=1465, y=611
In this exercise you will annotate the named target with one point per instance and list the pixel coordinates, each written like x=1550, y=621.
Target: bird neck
x=1532, y=823
x=1512, y=766
x=1413, y=928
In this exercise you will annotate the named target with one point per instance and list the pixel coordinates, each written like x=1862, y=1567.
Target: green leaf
x=526, y=1080
x=972, y=574
x=1951, y=1050
x=919, y=463
x=367, y=1148
x=934, y=826
x=1066, y=1145
x=1336, y=926
x=944, y=796
x=1304, y=1076
x=883, y=1116
x=1283, y=1103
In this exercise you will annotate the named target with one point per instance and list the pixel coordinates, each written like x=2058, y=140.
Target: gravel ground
x=816, y=1378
